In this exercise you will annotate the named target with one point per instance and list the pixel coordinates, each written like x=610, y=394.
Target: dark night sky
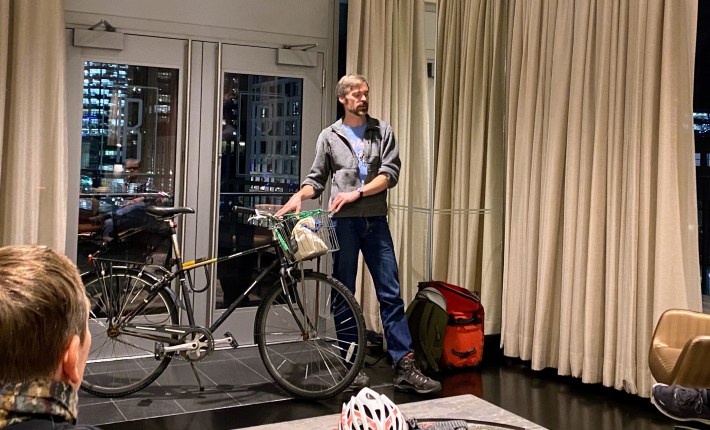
x=701, y=99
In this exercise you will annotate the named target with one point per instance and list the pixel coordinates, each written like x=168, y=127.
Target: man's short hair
x=347, y=82
x=42, y=305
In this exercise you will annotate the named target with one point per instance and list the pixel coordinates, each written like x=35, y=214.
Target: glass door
x=124, y=122
x=271, y=117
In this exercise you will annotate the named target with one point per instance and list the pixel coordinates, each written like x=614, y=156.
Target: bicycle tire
x=121, y=364
x=323, y=360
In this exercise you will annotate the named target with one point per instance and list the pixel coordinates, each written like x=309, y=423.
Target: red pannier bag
x=463, y=341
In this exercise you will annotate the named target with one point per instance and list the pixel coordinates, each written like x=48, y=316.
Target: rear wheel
x=121, y=363
x=311, y=335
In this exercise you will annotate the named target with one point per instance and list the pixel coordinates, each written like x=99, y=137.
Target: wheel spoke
x=322, y=361
x=114, y=367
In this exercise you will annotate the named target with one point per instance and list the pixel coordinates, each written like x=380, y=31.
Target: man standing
x=45, y=339
x=359, y=155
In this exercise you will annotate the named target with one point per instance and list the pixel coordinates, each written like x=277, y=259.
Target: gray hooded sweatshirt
x=336, y=160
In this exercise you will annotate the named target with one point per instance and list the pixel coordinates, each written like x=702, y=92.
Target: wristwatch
x=359, y=190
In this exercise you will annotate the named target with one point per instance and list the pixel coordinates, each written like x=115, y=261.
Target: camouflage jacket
x=41, y=398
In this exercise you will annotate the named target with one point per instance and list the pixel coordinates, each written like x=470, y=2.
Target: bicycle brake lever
x=256, y=217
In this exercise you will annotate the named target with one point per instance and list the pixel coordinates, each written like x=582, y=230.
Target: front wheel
x=311, y=335
x=121, y=363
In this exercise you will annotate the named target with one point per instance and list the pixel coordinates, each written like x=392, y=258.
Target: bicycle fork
x=307, y=326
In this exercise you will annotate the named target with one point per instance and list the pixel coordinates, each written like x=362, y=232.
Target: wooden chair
x=680, y=349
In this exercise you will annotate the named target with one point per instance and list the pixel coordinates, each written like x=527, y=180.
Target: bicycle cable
x=456, y=424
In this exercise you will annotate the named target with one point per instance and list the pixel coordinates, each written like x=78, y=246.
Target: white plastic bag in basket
x=310, y=245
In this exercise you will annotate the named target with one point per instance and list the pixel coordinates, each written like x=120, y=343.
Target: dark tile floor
x=231, y=378
x=239, y=393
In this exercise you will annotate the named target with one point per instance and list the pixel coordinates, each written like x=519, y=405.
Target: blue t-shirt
x=356, y=136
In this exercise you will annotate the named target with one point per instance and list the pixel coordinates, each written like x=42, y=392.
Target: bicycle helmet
x=369, y=410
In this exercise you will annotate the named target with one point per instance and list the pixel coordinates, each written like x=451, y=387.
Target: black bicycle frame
x=186, y=282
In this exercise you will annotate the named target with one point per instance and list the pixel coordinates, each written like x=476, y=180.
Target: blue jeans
x=132, y=215
x=371, y=235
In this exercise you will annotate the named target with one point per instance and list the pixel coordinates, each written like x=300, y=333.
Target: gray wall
x=302, y=18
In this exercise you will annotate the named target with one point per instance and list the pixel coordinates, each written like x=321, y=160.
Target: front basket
x=307, y=235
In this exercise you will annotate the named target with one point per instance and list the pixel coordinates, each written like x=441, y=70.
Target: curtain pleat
x=386, y=45
x=470, y=149
x=600, y=227
x=4, y=67
x=33, y=137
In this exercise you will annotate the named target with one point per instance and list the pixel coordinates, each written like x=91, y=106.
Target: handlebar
x=257, y=214
x=244, y=210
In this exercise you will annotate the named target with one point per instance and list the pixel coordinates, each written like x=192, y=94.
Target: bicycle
x=309, y=328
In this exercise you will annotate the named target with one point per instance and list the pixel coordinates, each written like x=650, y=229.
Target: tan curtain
x=386, y=45
x=601, y=227
x=470, y=149
x=33, y=138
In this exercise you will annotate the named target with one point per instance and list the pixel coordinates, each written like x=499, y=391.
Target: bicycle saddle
x=162, y=212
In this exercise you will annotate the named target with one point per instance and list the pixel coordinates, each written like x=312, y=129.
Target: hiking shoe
x=680, y=403
x=361, y=381
x=410, y=378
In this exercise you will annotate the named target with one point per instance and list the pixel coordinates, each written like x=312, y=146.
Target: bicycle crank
x=197, y=343
x=201, y=344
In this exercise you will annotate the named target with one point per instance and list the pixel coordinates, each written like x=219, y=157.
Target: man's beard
x=360, y=110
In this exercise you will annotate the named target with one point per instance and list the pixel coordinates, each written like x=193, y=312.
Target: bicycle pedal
x=233, y=343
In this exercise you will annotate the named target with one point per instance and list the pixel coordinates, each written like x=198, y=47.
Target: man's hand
x=342, y=198
x=293, y=205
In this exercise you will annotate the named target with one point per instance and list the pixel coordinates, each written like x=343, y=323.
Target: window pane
x=263, y=114
x=129, y=139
